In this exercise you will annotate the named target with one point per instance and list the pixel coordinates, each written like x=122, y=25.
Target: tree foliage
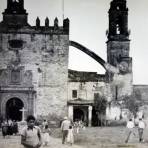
x=133, y=104
x=100, y=103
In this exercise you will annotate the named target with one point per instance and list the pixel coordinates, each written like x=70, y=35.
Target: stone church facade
x=34, y=64
x=34, y=70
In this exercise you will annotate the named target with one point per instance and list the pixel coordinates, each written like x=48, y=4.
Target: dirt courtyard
x=94, y=137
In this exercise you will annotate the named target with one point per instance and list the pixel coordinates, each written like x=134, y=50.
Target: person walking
x=14, y=127
x=31, y=134
x=4, y=128
x=46, y=135
x=70, y=136
x=141, y=127
x=10, y=127
x=64, y=127
x=77, y=126
x=130, y=126
x=44, y=124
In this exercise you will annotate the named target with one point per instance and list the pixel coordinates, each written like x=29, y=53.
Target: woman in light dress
x=46, y=135
x=70, y=137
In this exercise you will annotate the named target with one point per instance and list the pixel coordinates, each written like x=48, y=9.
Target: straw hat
x=65, y=118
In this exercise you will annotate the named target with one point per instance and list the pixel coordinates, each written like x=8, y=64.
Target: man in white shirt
x=141, y=127
x=64, y=127
x=31, y=134
x=130, y=126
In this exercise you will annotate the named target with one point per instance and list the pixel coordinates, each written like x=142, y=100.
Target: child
x=46, y=137
x=77, y=126
x=70, y=137
x=44, y=124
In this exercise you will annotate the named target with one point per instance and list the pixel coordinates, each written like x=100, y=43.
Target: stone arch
x=108, y=67
x=79, y=113
x=8, y=97
x=88, y=52
x=13, y=107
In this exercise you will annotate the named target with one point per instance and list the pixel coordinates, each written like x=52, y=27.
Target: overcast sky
x=88, y=24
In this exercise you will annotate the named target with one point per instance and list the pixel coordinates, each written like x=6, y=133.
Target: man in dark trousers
x=130, y=126
x=141, y=127
x=64, y=127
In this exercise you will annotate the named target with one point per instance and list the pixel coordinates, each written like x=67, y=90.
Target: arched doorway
x=78, y=114
x=13, y=107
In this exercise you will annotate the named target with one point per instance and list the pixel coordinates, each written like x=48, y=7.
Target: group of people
x=79, y=124
x=131, y=129
x=9, y=127
x=69, y=128
x=33, y=136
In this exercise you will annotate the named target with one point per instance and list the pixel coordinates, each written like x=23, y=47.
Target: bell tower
x=15, y=14
x=118, y=48
x=118, y=44
x=15, y=6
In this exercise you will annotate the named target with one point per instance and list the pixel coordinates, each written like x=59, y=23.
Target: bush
x=133, y=104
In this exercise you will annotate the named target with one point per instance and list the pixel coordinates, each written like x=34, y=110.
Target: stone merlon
x=12, y=27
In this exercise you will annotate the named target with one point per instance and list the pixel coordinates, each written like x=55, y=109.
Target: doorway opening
x=13, y=107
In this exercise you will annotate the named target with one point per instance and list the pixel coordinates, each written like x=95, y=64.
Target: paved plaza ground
x=94, y=137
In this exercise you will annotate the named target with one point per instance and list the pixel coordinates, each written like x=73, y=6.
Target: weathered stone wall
x=86, y=90
x=141, y=91
x=118, y=55
x=46, y=55
x=123, y=83
x=120, y=87
x=116, y=50
x=113, y=112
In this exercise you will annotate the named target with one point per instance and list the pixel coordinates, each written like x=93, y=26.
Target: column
x=70, y=112
x=30, y=103
x=89, y=115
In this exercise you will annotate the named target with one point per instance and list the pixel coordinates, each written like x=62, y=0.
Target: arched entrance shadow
x=94, y=118
x=13, y=107
x=78, y=114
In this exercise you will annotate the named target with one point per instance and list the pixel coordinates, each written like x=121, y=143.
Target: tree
x=132, y=103
x=100, y=104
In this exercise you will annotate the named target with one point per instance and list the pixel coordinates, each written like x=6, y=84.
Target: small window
x=96, y=96
x=117, y=29
x=74, y=93
x=15, y=43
